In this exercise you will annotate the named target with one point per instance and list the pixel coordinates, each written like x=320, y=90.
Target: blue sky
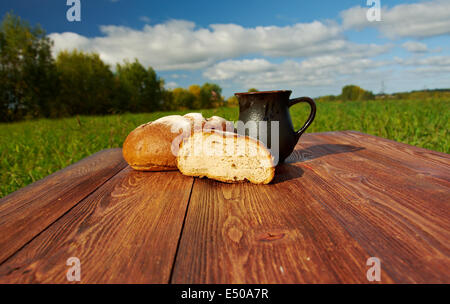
x=310, y=47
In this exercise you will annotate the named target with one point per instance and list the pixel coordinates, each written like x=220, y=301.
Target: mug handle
x=312, y=114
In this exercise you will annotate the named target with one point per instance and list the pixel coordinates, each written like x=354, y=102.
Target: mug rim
x=263, y=92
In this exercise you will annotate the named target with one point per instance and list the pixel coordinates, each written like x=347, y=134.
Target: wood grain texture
x=274, y=233
x=341, y=198
x=125, y=232
x=392, y=198
x=28, y=211
x=422, y=162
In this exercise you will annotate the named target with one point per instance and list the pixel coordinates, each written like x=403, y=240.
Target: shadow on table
x=287, y=170
x=317, y=151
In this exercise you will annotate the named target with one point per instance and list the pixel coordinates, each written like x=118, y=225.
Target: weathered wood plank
x=423, y=162
x=337, y=189
x=341, y=198
x=28, y=211
x=127, y=231
x=394, y=207
x=277, y=233
x=409, y=154
x=354, y=140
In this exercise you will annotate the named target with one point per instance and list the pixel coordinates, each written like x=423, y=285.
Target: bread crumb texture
x=225, y=156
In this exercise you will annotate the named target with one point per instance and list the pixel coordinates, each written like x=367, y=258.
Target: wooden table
x=341, y=198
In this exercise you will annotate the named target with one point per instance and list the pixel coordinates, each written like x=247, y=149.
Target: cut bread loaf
x=225, y=156
x=153, y=146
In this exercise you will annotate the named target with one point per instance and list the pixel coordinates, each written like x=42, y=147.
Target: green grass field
x=31, y=150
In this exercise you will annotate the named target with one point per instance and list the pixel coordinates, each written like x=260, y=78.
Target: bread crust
x=154, y=168
x=149, y=146
x=234, y=135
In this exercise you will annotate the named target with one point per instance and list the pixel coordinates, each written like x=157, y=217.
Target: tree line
x=349, y=93
x=356, y=93
x=34, y=84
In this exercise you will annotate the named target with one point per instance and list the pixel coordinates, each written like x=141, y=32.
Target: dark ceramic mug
x=273, y=106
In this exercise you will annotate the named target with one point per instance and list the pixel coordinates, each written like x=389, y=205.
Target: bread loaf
x=225, y=156
x=153, y=146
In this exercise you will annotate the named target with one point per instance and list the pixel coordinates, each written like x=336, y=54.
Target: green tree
x=353, y=92
x=86, y=84
x=210, y=96
x=232, y=101
x=196, y=90
x=167, y=97
x=326, y=98
x=253, y=90
x=142, y=88
x=27, y=70
x=182, y=99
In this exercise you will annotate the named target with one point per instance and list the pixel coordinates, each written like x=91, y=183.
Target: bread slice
x=226, y=157
x=153, y=146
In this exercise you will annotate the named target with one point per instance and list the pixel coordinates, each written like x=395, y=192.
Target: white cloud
x=437, y=61
x=171, y=85
x=180, y=44
x=329, y=73
x=316, y=71
x=355, y=17
x=315, y=54
x=68, y=40
x=415, y=47
x=418, y=20
x=176, y=76
x=235, y=68
x=430, y=67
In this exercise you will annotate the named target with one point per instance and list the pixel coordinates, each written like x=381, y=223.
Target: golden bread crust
x=149, y=146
